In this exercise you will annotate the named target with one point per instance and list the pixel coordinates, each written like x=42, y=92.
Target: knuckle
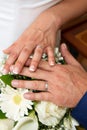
x=35, y=85
x=39, y=50
x=34, y=62
x=51, y=54
x=43, y=97
x=19, y=63
x=7, y=65
x=21, y=84
x=14, y=55
x=36, y=97
x=26, y=50
x=52, y=58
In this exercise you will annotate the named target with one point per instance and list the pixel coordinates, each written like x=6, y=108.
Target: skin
x=66, y=83
x=42, y=32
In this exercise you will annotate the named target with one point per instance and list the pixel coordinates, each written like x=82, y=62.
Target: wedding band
x=46, y=86
x=40, y=46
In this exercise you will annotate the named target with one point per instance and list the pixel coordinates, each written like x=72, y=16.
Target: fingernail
x=32, y=68
x=11, y=68
x=26, y=95
x=4, y=71
x=64, y=46
x=52, y=63
x=15, y=70
x=14, y=83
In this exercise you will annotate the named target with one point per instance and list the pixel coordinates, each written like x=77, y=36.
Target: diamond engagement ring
x=46, y=86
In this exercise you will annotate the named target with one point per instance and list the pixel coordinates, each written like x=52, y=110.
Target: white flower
x=16, y=108
x=74, y=123
x=2, y=62
x=70, y=123
x=49, y=114
x=6, y=124
x=13, y=103
x=27, y=123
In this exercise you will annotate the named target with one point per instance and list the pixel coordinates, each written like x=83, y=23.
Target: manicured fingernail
x=26, y=95
x=15, y=70
x=14, y=83
x=32, y=68
x=52, y=63
x=11, y=68
x=4, y=71
x=64, y=46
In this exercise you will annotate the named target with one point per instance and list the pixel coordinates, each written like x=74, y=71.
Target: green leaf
x=2, y=115
x=7, y=78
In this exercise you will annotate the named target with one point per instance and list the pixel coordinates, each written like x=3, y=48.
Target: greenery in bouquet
x=18, y=113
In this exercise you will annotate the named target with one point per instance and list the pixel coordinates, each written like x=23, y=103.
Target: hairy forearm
x=68, y=10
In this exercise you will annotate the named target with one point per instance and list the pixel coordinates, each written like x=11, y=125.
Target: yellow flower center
x=17, y=99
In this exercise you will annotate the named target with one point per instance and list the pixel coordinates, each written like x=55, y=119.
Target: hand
x=38, y=38
x=66, y=83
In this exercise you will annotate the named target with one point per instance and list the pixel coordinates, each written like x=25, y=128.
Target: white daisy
x=13, y=103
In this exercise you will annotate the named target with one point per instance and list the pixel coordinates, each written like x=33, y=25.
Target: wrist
x=56, y=18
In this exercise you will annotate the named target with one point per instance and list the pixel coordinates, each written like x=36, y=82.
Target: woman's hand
x=38, y=38
x=63, y=85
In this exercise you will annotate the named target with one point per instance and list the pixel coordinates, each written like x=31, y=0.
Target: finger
x=39, y=74
x=38, y=54
x=13, y=52
x=10, y=48
x=24, y=55
x=42, y=65
x=36, y=58
x=9, y=62
x=32, y=85
x=28, y=62
x=41, y=96
x=67, y=56
x=51, y=58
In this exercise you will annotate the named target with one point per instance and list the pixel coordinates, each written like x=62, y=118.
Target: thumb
x=67, y=56
x=8, y=50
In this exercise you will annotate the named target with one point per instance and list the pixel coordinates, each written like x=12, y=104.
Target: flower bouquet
x=18, y=113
